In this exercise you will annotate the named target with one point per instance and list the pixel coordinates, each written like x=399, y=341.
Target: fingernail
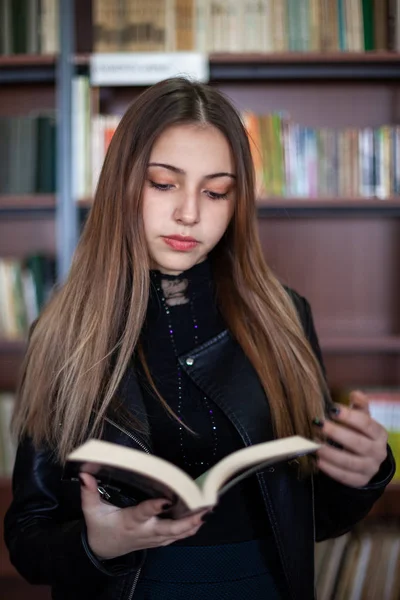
x=334, y=444
x=334, y=410
x=318, y=422
x=166, y=506
x=82, y=481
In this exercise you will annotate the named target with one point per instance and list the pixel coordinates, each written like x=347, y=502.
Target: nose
x=187, y=210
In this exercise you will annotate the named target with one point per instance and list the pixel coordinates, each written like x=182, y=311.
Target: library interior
x=317, y=85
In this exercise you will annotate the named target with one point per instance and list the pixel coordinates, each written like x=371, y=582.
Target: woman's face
x=188, y=197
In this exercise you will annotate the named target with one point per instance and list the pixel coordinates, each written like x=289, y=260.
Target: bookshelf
x=318, y=246
x=27, y=203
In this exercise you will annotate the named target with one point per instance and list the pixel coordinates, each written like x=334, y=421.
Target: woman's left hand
x=363, y=441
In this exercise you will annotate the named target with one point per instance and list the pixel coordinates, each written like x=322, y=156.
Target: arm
x=44, y=545
x=337, y=506
x=69, y=538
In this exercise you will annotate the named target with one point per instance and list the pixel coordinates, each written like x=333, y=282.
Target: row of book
x=363, y=564
x=25, y=286
x=246, y=25
x=7, y=444
x=29, y=26
x=292, y=160
x=28, y=154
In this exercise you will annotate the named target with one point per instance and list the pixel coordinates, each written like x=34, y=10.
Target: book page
x=251, y=459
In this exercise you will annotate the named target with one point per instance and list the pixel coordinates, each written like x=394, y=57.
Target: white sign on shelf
x=146, y=68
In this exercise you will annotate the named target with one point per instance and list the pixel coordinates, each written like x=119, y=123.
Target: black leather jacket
x=44, y=526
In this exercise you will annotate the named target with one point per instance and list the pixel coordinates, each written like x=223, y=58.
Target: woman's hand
x=363, y=441
x=113, y=531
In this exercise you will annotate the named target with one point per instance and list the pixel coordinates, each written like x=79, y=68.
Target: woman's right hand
x=113, y=531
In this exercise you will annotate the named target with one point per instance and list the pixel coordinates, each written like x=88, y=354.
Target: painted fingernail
x=318, y=422
x=334, y=444
x=334, y=410
x=166, y=506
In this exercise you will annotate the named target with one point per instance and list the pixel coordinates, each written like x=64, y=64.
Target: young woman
x=172, y=335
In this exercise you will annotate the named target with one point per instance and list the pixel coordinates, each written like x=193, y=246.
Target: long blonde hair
x=85, y=337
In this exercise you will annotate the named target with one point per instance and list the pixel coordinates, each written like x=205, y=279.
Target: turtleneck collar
x=183, y=305
x=179, y=289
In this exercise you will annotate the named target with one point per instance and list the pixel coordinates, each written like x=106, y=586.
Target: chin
x=177, y=264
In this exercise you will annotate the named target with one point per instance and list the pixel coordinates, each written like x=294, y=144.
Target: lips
x=180, y=243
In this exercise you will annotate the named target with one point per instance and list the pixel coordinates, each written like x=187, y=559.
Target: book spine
x=397, y=161
x=391, y=25
x=397, y=48
x=368, y=24
x=358, y=26
x=185, y=23
x=33, y=27
x=342, y=25
x=380, y=11
x=202, y=25
x=7, y=443
x=265, y=25
x=325, y=46
x=315, y=25
x=281, y=26
x=333, y=26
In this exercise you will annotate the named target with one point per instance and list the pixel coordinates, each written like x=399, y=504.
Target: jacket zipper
x=129, y=434
x=147, y=450
x=134, y=584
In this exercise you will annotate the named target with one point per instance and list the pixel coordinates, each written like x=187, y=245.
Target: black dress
x=233, y=554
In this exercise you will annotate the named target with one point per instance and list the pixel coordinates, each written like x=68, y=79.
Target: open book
x=127, y=476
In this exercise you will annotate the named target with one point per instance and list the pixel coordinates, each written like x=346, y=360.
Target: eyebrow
x=182, y=172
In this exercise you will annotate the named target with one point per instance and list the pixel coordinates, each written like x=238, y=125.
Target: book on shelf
x=362, y=564
x=29, y=26
x=28, y=151
x=290, y=160
x=293, y=160
x=25, y=286
x=7, y=443
x=133, y=475
x=246, y=26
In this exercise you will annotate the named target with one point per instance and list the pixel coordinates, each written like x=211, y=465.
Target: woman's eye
x=162, y=187
x=216, y=196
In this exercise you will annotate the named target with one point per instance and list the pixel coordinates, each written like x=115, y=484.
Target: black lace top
x=182, y=314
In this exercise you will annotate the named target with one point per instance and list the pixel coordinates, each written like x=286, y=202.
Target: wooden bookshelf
x=362, y=345
x=342, y=254
x=11, y=356
x=12, y=346
x=251, y=67
x=28, y=202
x=329, y=207
x=27, y=68
x=6, y=569
x=26, y=60
x=307, y=57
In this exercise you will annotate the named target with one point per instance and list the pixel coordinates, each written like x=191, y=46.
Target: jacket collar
x=225, y=375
